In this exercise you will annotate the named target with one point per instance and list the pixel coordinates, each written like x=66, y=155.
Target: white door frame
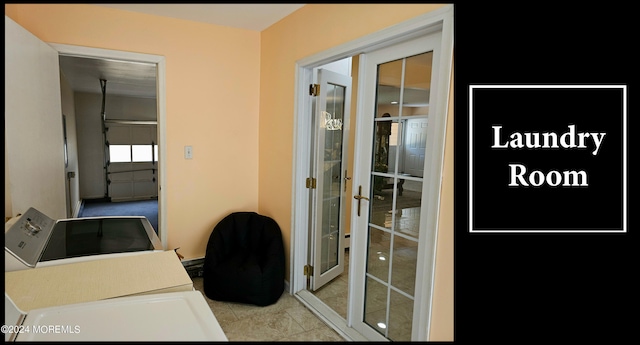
x=441, y=18
x=98, y=53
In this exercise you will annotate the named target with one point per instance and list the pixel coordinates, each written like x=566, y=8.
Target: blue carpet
x=147, y=208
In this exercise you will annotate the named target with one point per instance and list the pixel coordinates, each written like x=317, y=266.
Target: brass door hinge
x=308, y=270
x=314, y=89
x=311, y=182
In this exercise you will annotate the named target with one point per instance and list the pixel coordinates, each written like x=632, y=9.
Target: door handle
x=359, y=197
x=347, y=178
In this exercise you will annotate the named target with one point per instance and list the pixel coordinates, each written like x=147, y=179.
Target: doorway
x=329, y=222
x=359, y=292
x=143, y=135
x=39, y=160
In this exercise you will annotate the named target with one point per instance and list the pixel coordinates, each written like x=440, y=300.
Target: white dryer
x=172, y=316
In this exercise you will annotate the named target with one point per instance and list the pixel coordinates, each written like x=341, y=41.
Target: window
x=133, y=153
x=119, y=153
x=141, y=153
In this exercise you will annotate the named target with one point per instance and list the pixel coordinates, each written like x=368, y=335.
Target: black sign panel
x=547, y=158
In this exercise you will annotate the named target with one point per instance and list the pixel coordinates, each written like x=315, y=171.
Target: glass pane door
x=333, y=102
x=399, y=145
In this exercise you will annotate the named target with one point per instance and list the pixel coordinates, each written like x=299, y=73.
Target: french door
x=396, y=187
x=394, y=191
x=328, y=197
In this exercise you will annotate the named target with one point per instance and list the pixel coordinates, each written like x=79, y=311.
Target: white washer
x=172, y=316
x=35, y=240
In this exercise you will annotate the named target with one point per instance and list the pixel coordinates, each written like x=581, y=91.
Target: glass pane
x=141, y=153
x=155, y=152
x=330, y=223
x=119, y=153
x=383, y=158
x=332, y=121
x=375, y=307
x=417, y=80
x=405, y=259
x=335, y=107
x=379, y=254
x=388, y=89
x=381, y=202
x=400, y=317
x=408, y=205
x=331, y=182
x=395, y=147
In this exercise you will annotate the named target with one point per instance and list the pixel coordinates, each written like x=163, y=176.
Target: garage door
x=133, y=167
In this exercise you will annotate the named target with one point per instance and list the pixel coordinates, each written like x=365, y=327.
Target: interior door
x=34, y=136
x=415, y=145
x=332, y=132
x=393, y=201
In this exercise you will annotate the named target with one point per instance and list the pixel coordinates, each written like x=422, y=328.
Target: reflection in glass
x=407, y=206
x=379, y=254
x=380, y=208
x=400, y=317
x=332, y=121
x=375, y=307
x=381, y=148
x=329, y=234
x=415, y=100
x=405, y=92
x=388, y=89
x=405, y=256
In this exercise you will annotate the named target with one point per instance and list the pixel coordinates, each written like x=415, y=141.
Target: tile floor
x=286, y=320
x=290, y=320
x=335, y=294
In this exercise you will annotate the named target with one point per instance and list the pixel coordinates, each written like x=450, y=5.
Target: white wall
x=68, y=109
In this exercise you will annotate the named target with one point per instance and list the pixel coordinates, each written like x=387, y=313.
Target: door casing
x=441, y=19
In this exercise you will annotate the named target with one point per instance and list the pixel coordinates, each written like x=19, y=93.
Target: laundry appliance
x=35, y=240
x=172, y=316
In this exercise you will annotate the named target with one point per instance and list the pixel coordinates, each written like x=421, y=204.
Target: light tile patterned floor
x=286, y=320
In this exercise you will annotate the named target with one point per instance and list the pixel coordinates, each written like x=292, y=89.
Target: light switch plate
x=188, y=152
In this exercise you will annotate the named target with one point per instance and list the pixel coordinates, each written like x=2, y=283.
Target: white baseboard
x=286, y=287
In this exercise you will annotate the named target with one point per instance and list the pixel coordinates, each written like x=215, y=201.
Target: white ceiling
x=139, y=80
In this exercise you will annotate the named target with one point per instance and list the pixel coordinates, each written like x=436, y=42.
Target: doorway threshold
x=328, y=316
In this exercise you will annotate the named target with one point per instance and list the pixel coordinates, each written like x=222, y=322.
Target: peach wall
x=442, y=327
x=212, y=95
x=310, y=30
